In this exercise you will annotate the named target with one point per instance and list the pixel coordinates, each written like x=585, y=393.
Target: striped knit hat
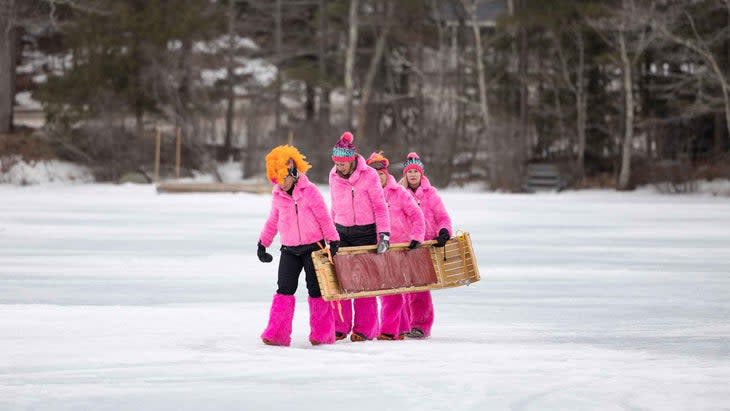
x=413, y=162
x=378, y=161
x=344, y=151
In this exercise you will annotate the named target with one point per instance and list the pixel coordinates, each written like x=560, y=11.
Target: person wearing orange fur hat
x=300, y=216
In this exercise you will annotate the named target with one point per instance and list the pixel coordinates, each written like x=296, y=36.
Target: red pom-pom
x=413, y=154
x=347, y=137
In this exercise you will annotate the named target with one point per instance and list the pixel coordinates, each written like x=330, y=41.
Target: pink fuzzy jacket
x=433, y=209
x=406, y=218
x=359, y=200
x=300, y=218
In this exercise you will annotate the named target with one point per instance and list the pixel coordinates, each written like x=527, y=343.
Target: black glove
x=264, y=257
x=334, y=246
x=383, y=242
x=414, y=244
x=442, y=238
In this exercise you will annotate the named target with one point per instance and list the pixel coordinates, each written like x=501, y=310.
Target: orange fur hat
x=277, y=162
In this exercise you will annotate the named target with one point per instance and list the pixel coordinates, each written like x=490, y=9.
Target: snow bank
x=221, y=44
x=262, y=72
x=230, y=171
x=715, y=188
x=15, y=170
x=25, y=100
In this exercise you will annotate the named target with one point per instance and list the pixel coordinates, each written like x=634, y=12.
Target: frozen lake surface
x=115, y=297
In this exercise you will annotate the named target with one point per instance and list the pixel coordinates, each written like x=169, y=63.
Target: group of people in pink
x=368, y=207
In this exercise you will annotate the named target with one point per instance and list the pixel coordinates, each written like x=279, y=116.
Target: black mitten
x=334, y=247
x=442, y=238
x=264, y=257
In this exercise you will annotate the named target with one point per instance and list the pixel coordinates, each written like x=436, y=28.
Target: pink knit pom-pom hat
x=413, y=162
x=344, y=150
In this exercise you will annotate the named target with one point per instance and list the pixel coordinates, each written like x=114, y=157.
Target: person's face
x=383, y=177
x=344, y=167
x=413, y=177
x=286, y=183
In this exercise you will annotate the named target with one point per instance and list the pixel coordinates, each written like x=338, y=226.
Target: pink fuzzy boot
x=421, y=314
x=391, y=307
x=321, y=322
x=366, y=319
x=405, y=315
x=278, y=332
x=343, y=325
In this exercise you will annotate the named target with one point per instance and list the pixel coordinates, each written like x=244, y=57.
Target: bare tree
x=471, y=9
x=350, y=59
x=624, y=29
x=8, y=47
x=677, y=25
x=572, y=74
x=230, y=79
x=377, y=57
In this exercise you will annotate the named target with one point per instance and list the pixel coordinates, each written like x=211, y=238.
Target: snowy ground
x=114, y=297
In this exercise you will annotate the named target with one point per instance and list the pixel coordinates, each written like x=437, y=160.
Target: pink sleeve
x=439, y=213
x=380, y=209
x=332, y=199
x=415, y=216
x=319, y=209
x=270, y=228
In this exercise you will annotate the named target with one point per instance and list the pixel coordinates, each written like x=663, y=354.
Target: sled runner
x=360, y=272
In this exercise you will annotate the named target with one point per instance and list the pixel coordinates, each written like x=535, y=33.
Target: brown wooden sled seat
x=360, y=272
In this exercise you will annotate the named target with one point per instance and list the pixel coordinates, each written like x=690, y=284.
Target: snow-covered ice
x=115, y=297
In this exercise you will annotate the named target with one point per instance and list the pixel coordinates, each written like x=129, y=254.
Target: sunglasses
x=378, y=165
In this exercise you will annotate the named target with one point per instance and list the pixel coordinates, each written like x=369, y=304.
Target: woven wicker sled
x=397, y=271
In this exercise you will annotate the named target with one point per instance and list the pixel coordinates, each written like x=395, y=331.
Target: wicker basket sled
x=360, y=272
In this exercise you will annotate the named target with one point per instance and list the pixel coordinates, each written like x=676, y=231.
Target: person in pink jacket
x=361, y=218
x=406, y=225
x=419, y=307
x=300, y=216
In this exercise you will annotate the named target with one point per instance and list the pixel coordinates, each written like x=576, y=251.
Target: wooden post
x=177, y=154
x=157, y=154
x=290, y=139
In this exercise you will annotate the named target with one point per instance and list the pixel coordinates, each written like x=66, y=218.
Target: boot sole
x=385, y=337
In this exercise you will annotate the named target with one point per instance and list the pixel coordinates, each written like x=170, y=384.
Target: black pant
x=291, y=262
x=355, y=235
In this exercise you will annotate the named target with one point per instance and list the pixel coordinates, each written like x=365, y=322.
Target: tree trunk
x=718, y=144
x=581, y=104
x=521, y=146
x=324, y=98
x=230, y=92
x=370, y=77
x=8, y=45
x=350, y=60
x=309, y=101
x=522, y=69
x=252, y=160
x=277, y=45
x=625, y=173
x=483, y=104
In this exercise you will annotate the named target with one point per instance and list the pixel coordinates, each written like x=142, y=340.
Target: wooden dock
x=181, y=188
